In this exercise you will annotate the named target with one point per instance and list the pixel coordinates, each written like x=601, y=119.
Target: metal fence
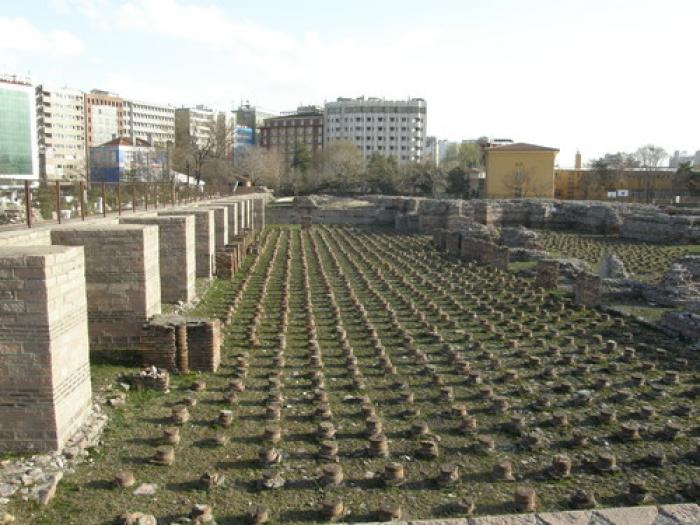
x=59, y=202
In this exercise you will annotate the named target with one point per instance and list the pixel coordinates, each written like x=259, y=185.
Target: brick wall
x=176, y=238
x=204, y=238
x=45, y=390
x=123, y=280
x=221, y=236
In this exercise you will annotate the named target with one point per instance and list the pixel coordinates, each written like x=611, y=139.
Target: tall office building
x=153, y=123
x=252, y=117
x=19, y=159
x=60, y=114
x=378, y=126
x=281, y=134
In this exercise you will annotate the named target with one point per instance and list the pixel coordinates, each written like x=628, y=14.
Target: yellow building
x=520, y=170
x=640, y=185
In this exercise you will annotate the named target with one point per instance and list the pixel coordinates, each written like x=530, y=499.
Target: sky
x=591, y=75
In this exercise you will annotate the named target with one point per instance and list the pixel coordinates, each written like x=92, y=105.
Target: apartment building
x=153, y=123
x=304, y=126
x=394, y=128
x=19, y=159
x=104, y=117
x=60, y=114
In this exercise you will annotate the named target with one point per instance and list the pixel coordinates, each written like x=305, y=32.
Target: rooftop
x=522, y=146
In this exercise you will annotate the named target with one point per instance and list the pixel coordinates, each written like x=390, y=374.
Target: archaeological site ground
x=483, y=362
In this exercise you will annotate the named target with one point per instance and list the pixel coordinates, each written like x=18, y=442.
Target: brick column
x=45, y=391
x=204, y=238
x=176, y=239
x=220, y=224
x=123, y=280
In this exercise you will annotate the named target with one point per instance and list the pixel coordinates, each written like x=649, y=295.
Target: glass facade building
x=18, y=140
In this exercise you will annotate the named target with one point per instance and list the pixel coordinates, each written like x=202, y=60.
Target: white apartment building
x=60, y=114
x=154, y=123
x=198, y=123
x=378, y=126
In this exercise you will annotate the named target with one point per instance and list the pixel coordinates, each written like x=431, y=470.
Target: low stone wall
x=485, y=252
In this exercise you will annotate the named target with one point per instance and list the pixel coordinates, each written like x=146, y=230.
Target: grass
x=419, y=285
x=644, y=261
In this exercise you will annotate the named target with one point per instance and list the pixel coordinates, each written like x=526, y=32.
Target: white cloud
x=19, y=34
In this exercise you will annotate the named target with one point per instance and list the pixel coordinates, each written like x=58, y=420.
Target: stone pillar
x=249, y=211
x=588, y=289
x=176, y=253
x=547, y=273
x=241, y=216
x=204, y=344
x=305, y=222
x=204, y=239
x=453, y=241
x=45, y=392
x=123, y=280
x=232, y=219
x=220, y=225
x=258, y=214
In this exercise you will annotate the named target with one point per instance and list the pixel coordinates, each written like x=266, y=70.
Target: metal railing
x=59, y=202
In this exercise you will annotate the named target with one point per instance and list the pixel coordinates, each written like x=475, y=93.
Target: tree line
x=341, y=169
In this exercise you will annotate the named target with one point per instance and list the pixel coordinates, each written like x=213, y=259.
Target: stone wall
x=176, y=255
x=633, y=221
x=45, y=392
x=122, y=280
x=205, y=241
x=485, y=252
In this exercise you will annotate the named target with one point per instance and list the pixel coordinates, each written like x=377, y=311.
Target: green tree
x=458, y=182
x=381, y=174
x=688, y=179
x=470, y=155
x=422, y=180
x=301, y=158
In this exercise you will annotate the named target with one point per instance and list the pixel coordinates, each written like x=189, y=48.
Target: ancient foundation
x=547, y=273
x=122, y=277
x=204, y=239
x=179, y=344
x=588, y=289
x=176, y=237
x=45, y=392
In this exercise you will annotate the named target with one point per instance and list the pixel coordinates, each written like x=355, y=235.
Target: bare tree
x=650, y=157
x=340, y=166
x=263, y=167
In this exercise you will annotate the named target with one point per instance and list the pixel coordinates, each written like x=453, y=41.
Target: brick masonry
x=258, y=214
x=122, y=277
x=45, y=392
x=221, y=235
x=176, y=253
x=200, y=351
x=205, y=242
